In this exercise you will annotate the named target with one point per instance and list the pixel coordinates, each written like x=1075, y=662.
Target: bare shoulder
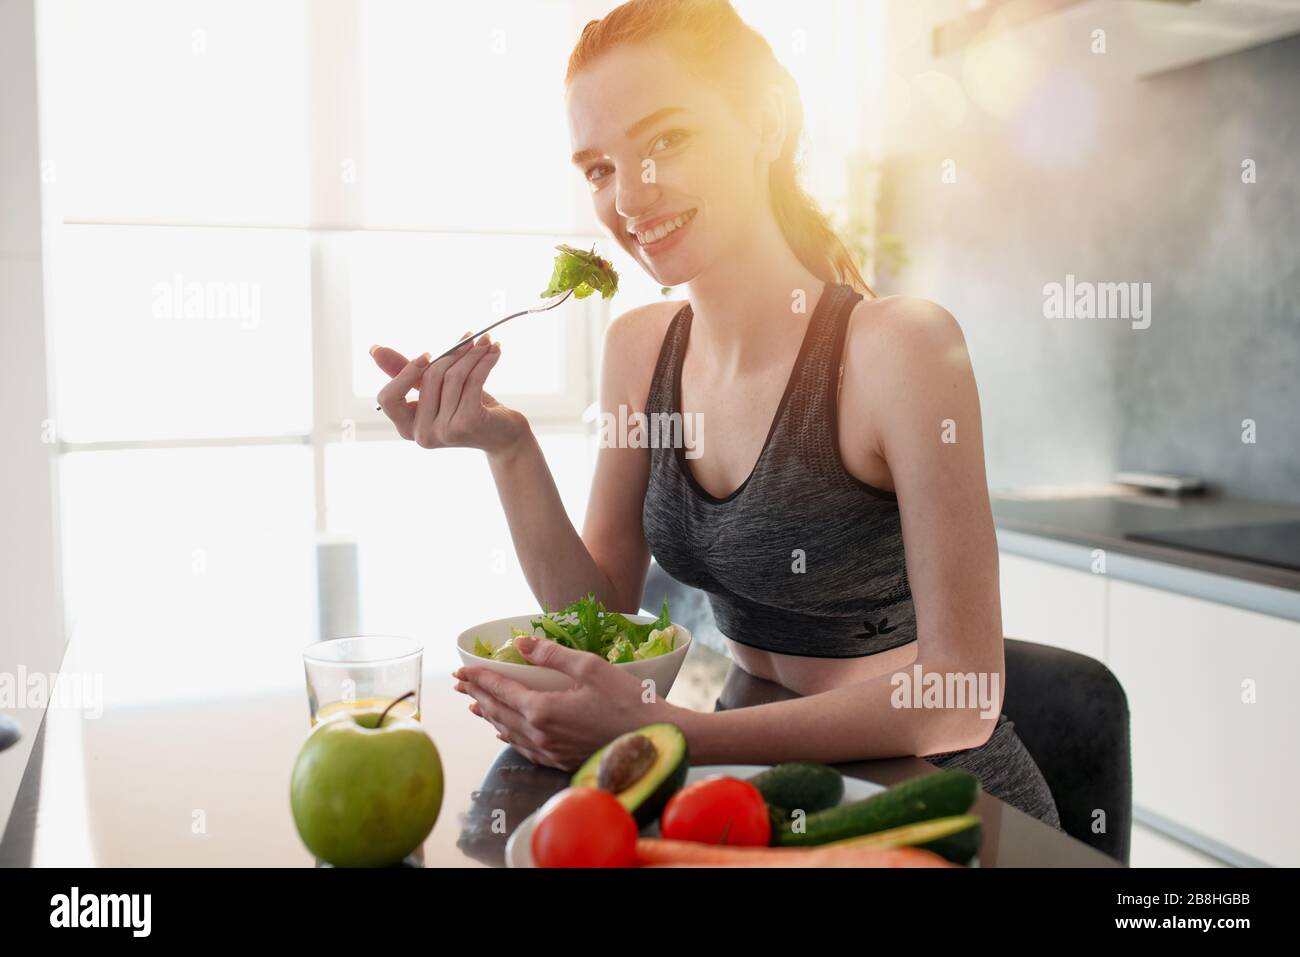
x=639, y=322
x=895, y=344
x=905, y=361
x=905, y=328
x=632, y=344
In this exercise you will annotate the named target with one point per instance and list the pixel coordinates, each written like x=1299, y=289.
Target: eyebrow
x=634, y=130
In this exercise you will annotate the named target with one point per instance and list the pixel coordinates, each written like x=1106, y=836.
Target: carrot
x=657, y=852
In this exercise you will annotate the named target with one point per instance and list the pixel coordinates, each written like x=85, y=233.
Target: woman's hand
x=453, y=409
x=561, y=729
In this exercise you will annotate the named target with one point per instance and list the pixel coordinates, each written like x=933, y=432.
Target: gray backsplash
x=1154, y=195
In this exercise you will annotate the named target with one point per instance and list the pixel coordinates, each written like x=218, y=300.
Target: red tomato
x=584, y=827
x=718, y=810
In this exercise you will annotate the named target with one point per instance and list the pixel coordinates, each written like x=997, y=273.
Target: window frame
x=333, y=215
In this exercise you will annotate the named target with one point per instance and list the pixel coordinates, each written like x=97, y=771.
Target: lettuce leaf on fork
x=582, y=271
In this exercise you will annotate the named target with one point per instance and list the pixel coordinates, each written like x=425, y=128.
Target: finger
x=453, y=381
x=390, y=360
x=513, y=694
x=579, y=665
x=452, y=355
x=533, y=756
x=471, y=393
x=392, y=397
x=456, y=406
x=531, y=752
x=502, y=733
x=477, y=711
x=426, y=414
x=464, y=336
x=507, y=721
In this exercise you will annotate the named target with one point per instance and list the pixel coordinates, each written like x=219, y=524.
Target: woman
x=838, y=514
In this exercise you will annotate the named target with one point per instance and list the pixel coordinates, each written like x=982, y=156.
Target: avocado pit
x=628, y=758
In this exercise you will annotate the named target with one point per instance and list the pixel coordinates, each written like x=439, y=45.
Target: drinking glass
x=362, y=673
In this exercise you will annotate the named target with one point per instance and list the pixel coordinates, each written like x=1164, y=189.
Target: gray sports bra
x=803, y=558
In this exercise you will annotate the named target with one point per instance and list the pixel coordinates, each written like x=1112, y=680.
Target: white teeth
x=663, y=229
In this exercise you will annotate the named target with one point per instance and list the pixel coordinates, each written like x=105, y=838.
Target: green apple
x=365, y=794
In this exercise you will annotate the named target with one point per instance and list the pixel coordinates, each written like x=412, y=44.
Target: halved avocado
x=663, y=776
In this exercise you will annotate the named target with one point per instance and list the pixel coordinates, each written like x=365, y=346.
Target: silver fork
x=551, y=303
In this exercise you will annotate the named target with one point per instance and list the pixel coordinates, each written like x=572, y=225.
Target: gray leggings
x=1006, y=770
x=1003, y=766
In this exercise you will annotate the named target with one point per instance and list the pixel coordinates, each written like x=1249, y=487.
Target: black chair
x=1069, y=710
x=1072, y=715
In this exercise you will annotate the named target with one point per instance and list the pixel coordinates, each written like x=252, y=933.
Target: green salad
x=582, y=271
x=585, y=625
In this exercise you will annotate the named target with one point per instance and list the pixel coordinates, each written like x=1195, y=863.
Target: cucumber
x=956, y=839
x=805, y=785
x=942, y=794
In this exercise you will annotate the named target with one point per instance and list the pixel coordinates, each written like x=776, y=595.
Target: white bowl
x=661, y=670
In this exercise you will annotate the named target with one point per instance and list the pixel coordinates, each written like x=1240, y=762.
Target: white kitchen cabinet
x=1051, y=605
x=1204, y=756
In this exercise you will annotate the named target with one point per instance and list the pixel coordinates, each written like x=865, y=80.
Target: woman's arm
x=611, y=557
x=911, y=373
x=556, y=563
x=613, y=531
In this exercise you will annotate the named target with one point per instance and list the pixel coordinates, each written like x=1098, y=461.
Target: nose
x=634, y=197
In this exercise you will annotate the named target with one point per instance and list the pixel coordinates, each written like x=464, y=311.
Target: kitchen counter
x=1066, y=527
x=206, y=783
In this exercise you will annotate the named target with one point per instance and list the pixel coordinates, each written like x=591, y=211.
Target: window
x=240, y=198
x=165, y=332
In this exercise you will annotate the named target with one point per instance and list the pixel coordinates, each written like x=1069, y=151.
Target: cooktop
x=1272, y=543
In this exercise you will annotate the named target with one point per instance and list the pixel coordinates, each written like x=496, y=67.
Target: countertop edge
x=1168, y=569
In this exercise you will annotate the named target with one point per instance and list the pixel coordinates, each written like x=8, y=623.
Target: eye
x=668, y=135
x=673, y=137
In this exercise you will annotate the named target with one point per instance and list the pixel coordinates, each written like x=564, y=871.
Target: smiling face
x=658, y=147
